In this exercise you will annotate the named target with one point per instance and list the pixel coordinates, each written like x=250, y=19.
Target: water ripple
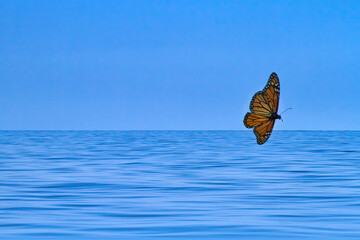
x=179, y=185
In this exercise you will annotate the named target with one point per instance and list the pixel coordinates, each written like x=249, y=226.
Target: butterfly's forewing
x=252, y=120
x=259, y=105
x=272, y=92
x=263, y=131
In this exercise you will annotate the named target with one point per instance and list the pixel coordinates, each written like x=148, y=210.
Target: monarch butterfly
x=263, y=110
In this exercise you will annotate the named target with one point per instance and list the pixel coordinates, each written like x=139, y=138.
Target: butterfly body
x=275, y=116
x=263, y=110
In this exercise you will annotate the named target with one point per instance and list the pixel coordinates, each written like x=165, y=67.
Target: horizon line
x=84, y=130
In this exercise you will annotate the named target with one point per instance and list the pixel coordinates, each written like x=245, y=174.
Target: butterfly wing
x=263, y=131
x=272, y=92
x=259, y=105
x=263, y=105
x=253, y=120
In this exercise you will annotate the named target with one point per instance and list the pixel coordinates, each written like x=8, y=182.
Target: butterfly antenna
x=285, y=110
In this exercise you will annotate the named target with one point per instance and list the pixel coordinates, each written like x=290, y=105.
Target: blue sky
x=177, y=64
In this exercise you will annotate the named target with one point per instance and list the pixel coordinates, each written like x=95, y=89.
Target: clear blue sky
x=176, y=64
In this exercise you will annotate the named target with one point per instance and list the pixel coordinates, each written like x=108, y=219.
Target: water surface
x=179, y=185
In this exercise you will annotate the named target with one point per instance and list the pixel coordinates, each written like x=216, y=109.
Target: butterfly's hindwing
x=264, y=131
x=252, y=120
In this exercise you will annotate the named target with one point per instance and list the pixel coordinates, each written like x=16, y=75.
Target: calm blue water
x=179, y=185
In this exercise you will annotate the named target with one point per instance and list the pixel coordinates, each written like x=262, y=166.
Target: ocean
x=179, y=185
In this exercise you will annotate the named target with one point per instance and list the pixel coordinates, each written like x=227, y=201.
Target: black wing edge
x=245, y=118
x=276, y=87
x=253, y=100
